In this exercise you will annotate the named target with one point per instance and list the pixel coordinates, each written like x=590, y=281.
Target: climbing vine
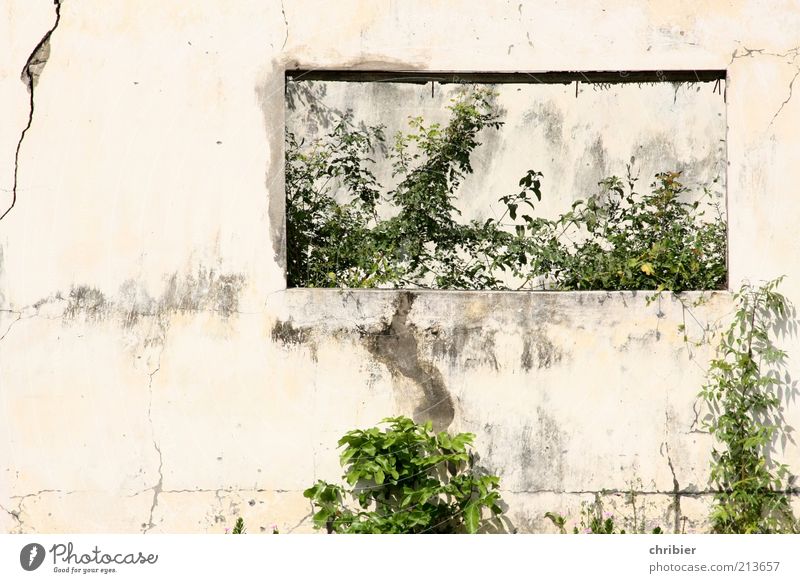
x=743, y=393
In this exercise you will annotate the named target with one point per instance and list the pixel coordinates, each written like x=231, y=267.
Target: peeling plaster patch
x=30, y=76
x=396, y=347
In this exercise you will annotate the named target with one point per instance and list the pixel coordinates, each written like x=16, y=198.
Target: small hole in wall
x=506, y=181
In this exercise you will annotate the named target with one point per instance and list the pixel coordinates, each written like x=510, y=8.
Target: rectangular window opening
x=506, y=181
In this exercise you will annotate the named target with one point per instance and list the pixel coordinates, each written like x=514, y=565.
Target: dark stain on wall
x=86, y=300
x=464, y=346
x=548, y=117
x=595, y=166
x=396, y=347
x=539, y=351
x=526, y=360
x=204, y=291
x=287, y=334
x=540, y=456
x=270, y=94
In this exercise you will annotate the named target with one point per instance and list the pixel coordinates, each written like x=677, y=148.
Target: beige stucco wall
x=156, y=376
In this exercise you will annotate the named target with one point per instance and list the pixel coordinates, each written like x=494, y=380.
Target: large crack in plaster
x=286, y=24
x=676, y=491
x=18, y=314
x=16, y=514
x=157, y=489
x=30, y=75
x=794, y=53
x=788, y=98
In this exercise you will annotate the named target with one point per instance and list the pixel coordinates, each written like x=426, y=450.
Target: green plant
x=406, y=479
x=594, y=520
x=343, y=230
x=238, y=528
x=619, y=239
x=743, y=394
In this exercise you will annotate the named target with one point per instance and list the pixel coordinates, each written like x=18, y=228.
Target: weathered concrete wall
x=155, y=375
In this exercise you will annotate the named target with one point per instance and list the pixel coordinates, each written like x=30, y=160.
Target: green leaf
x=472, y=517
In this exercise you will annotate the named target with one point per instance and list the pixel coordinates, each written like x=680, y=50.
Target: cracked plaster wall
x=155, y=376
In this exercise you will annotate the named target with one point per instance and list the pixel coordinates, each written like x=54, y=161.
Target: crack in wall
x=695, y=426
x=676, y=491
x=16, y=514
x=146, y=527
x=302, y=520
x=794, y=53
x=13, y=322
x=788, y=98
x=30, y=75
x=286, y=24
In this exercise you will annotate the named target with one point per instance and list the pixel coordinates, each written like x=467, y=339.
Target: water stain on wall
x=464, y=346
x=539, y=351
x=396, y=346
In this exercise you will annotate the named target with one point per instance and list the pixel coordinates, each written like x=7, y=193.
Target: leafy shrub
x=633, y=241
x=405, y=479
x=344, y=231
x=743, y=393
